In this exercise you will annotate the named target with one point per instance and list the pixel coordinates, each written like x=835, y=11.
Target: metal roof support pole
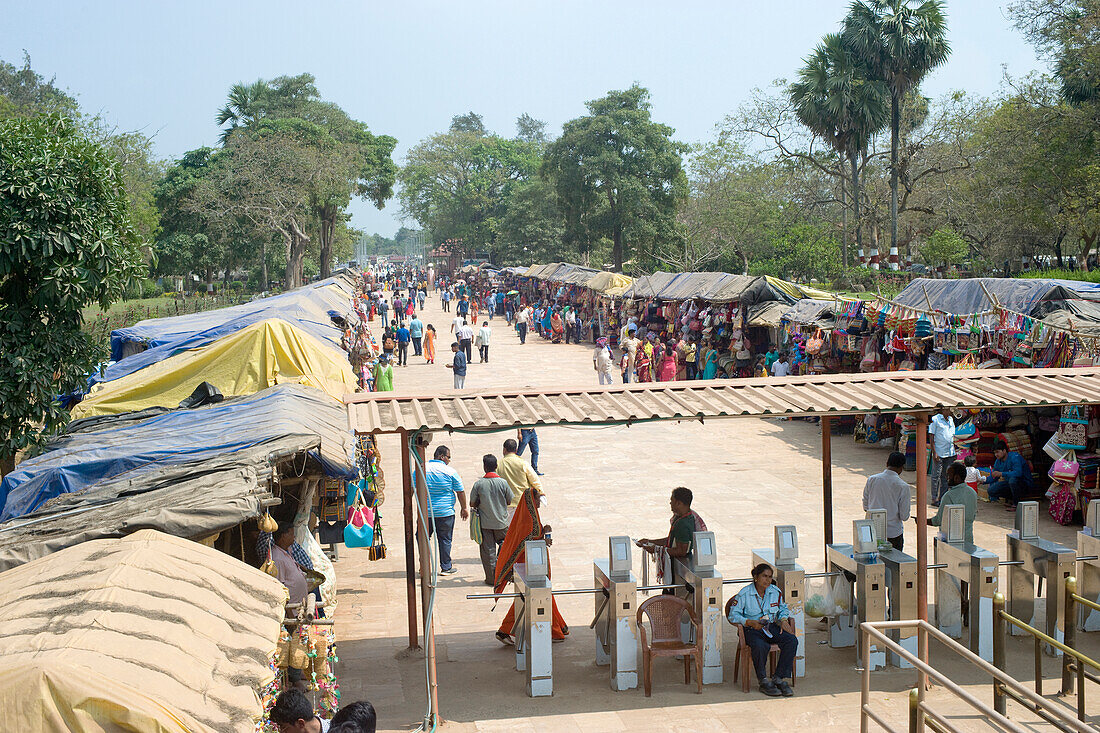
x=827, y=477
x=426, y=581
x=922, y=515
x=410, y=565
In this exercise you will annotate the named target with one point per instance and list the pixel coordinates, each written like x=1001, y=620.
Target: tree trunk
x=296, y=252
x=1058, y=248
x=263, y=265
x=854, y=160
x=328, y=232
x=7, y=465
x=844, y=217
x=874, y=245
x=1083, y=259
x=617, y=248
x=895, y=135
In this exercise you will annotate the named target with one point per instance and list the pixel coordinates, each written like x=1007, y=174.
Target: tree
x=470, y=122
x=834, y=98
x=899, y=44
x=244, y=107
x=1068, y=33
x=618, y=174
x=25, y=93
x=531, y=227
x=530, y=130
x=944, y=247
x=66, y=241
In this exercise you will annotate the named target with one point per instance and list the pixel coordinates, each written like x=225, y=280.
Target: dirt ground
x=747, y=476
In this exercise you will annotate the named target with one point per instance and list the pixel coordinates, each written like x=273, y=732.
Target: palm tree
x=900, y=44
x=242, y=108
x=834, y=98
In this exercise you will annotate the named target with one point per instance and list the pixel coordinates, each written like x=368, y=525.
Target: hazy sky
x=405, y=68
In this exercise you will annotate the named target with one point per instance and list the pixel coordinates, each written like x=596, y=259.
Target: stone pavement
x=747, y=475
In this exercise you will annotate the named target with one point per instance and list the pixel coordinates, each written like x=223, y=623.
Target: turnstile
x=1038, y=558
x=867, y=600
x=1088, y=571
x=534, y=619
x=977, y=568
x=901, y=596
x=616, y=622
x=703, y=590
x=791, y=579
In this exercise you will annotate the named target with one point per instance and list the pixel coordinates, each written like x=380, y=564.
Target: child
x=973, y=475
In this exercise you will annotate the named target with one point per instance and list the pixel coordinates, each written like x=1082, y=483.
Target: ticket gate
x=616, y=622
x=703, y=590
x=1031, y=557
x=1088, y=571
x=964, y=562
x=867, y=602
x=791, y=579
x=534, y=618
x=901, y=595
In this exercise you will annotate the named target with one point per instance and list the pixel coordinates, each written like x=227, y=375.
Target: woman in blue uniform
x=760, y=609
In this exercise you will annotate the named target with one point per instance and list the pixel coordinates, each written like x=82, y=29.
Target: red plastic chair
x=664, y=613
x=742, y=658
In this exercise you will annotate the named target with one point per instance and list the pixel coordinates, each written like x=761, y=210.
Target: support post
x=1070, y=639
x=426, y=584
x=410, y=562
x=922, y=517
x=827, y=477
x=1000, y=700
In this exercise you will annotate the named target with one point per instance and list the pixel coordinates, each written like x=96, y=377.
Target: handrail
x=920, y=714
x=1074, y=664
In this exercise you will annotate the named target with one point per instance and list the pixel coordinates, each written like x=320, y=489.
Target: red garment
x=667, y=371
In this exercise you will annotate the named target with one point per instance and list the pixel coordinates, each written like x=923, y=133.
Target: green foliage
x=531, y=229
x=25, y=93
x=1061, y=273
x=1068, y=33
x=618, y=175
x=66, y=241
x=800, y=252
x=944, y=247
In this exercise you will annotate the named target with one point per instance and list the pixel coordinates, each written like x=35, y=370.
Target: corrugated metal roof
x=837, y=394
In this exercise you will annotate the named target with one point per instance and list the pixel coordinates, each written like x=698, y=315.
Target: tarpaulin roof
x=310, y=307
x=132, y=445
x=962, y=297
x=146, y=633
x=258, y=356
x=547, y=271
x=576, y=276
x=768, y=314
x=718, y=287
x=811, y=312
x=647, y=286
x=609, y=283
x=1080, y=316
x=798, y=291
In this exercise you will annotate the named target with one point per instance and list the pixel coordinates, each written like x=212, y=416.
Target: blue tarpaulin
x=139, y=445
x=310, y=308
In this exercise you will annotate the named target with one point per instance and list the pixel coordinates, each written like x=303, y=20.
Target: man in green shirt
x=959, y=493
x=684, y=524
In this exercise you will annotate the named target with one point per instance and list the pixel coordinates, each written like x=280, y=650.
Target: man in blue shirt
x=416, y=331
x=463, y=307
x=1011, y=477
x=458, y=365
x=760, y=609
x=403, y=346
x=443, y=486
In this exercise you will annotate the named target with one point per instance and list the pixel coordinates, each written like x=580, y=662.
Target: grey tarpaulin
x=962, y=297
x=809, y=312
x=766, y=315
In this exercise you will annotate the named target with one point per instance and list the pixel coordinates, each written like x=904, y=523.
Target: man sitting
x=1011, y=476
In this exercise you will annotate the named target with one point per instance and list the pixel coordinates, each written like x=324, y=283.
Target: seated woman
x=760, y=609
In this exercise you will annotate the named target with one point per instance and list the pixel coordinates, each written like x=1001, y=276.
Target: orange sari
x=526, y=525
x=429, y=345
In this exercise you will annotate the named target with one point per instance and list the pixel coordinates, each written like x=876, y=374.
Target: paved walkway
x=747, y=475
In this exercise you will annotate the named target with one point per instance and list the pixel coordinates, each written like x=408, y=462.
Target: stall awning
x=149, y=633
x=609, y=283
x=837, y=394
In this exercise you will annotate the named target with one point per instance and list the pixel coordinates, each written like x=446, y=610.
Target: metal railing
x=920, y=714
x=1074, y=662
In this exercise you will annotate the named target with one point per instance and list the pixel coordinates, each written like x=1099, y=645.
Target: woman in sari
x=557, y=328
x=710, y=361
x=666, y=372
x=526, y=525
x=546, y=321
x=429, y=344
x=643, y=362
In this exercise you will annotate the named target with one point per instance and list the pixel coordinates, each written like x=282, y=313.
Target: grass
x=1091, y=276
x=99, y=323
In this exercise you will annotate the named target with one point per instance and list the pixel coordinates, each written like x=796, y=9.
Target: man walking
x=518, y=473
x=521, y=323
x=403, y=345
x=458, y=365
x=629, y=346
x=528, y=437
x=444, y=485
x=483, y=335
x=490, y=497
x=416, y=332
x=465, y=336
x=889, y=491
x=942, y=430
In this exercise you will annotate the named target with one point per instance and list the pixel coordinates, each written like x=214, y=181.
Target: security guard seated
x=760, y=609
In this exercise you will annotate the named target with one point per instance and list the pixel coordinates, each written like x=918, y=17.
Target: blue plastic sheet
x=962, y=297
x=135, y=447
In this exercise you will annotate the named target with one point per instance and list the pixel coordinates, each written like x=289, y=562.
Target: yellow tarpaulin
x=804, y=291
x=242, y=363
x=609, y=283
x=149, y=633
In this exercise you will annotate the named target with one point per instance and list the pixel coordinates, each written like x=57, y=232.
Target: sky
x=406, y=68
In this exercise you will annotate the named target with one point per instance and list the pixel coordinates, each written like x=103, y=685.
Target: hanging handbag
x=814, y=343
x=358, y=536
x=1062, y=505
x=1073, y=429
x=475, y=527
x=378, y=547
x=1065, y=469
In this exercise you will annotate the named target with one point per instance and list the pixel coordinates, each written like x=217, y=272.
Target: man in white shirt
x=781, y=367
x=465, y=336
x=942, y=430
x=483, y=335
x=889, y=491
x=521, y=323
x=457, y=324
